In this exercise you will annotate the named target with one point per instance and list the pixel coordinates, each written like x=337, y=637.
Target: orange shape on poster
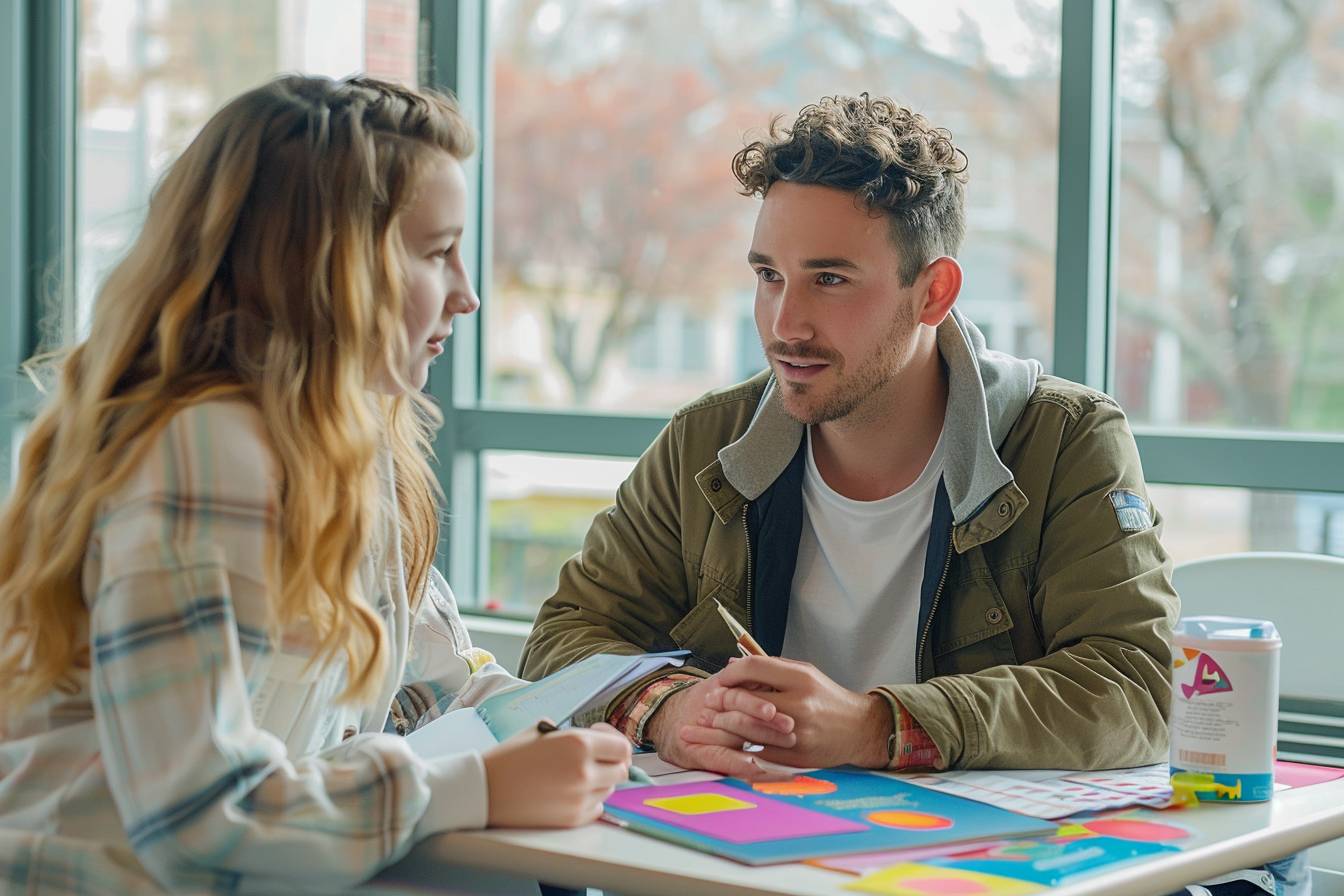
x=798, y=786
x=906, y=820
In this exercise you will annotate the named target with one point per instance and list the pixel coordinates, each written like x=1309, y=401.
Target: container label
x=1224, y=715
x=1209, y=678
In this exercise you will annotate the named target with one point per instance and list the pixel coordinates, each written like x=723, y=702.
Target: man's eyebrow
x=812, y=264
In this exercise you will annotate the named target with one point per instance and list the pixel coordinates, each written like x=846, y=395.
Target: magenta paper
x=767, y=819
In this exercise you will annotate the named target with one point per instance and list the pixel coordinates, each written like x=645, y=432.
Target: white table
x=604, y=856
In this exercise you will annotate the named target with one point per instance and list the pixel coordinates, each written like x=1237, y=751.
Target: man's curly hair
x=890, y=157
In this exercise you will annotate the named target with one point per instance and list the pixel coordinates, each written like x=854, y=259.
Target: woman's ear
x=941, y=284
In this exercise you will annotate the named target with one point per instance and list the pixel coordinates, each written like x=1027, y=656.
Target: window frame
x=37, y=103
x=36, y=241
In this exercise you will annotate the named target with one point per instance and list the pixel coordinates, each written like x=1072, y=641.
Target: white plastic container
x=1225, y=706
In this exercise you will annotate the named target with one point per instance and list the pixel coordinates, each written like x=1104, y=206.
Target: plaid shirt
x=198, y=753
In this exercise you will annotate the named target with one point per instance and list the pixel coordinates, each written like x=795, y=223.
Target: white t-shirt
x=854, y=604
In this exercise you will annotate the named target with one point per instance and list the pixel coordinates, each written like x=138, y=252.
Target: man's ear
x=941, y=281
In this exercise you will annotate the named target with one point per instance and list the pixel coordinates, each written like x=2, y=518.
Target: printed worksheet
x=1055, y=793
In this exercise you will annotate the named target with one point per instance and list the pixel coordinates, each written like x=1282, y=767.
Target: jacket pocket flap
x=980, y=613
x=704, y=633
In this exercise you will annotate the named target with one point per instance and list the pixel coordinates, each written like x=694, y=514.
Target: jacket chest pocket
x=974, y=628
x=703, y=632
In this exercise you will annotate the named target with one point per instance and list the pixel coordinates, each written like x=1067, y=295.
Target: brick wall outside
x=390, y=39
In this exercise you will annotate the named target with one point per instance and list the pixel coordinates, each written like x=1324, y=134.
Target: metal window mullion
x=1083, y=279
x=13, y=227
x=452, y=53
x=1297, y=463
x=600, y=435
x=52, y=95
x=37, y=112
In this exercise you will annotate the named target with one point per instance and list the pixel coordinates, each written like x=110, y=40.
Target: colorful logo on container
x=1209, y=676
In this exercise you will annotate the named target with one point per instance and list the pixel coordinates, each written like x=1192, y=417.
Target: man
x=950, y=557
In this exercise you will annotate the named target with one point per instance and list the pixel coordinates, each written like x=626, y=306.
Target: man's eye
x=767, y=275
x=829, y=279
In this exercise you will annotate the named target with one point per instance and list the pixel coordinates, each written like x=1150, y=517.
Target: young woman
x=218, y=608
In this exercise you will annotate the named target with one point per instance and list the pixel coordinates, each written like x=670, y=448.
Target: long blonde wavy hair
x=268, y=268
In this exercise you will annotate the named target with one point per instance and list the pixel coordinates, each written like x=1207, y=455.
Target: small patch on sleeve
x=1130, y=510
x=477, y=658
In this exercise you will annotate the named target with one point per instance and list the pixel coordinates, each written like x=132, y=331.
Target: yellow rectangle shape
x=699, y=804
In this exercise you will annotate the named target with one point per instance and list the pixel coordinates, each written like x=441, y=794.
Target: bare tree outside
x=613, y=125
x=1232, y=165
x=1230, y=213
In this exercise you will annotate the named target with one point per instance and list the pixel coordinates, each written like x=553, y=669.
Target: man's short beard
x=837, y=406
x=869, y=378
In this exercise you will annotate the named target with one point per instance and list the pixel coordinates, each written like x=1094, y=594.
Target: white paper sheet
x=1055, y=793
x=460, y=731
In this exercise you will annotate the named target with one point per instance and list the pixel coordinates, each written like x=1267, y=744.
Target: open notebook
x=589, y=682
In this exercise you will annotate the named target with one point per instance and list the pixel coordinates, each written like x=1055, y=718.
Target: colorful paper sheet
x=868, y=862
x=1053, y=862
x=913, y=879
x=716, y=810
x=1142, y=827
x=1054, y=793
x=822, y=813
x=1079, y=848
x=1299, y=774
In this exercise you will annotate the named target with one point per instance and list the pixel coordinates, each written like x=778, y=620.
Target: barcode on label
x=1216, y=759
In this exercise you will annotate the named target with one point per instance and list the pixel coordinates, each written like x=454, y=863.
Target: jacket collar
x=987, y=391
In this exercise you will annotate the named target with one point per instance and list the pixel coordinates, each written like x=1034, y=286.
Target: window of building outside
x=151, y=72
x=1230, y=295
x=618, y=279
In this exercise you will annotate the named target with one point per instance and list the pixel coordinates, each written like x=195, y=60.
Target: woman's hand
x=556, y=780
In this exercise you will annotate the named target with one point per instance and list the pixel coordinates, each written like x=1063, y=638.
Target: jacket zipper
x=933, y=608
x=746, y=533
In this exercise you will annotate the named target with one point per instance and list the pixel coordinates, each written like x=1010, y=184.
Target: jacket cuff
x=458, y=795
x=932, y=712
x=910, y=745
x=633, y=714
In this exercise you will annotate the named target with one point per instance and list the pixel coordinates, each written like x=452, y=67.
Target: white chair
x=1303, y=595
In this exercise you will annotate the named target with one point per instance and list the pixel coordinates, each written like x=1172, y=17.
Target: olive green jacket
x=1046, y=607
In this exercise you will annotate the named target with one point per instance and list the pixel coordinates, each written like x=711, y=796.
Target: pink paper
x=1298, y=774
x=767, y=819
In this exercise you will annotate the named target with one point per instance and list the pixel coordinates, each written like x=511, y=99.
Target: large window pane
x=539, y=507
x=151, y=73
x=1231, y=210
x=619, y=279
x=1202, y=522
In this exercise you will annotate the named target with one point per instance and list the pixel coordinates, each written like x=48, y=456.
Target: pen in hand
x=633, y=773
x=745, y=642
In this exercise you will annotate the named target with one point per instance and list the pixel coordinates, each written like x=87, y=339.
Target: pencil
x=745, y=642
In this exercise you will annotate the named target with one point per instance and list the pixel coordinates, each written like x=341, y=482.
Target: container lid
x=1226, y=628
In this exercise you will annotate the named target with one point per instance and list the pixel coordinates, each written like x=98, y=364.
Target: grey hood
x=986, y=392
